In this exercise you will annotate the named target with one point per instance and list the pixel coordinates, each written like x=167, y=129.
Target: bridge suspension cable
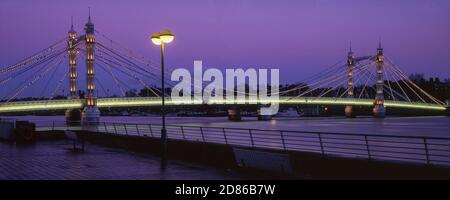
x=116, y=81
x=327, y=71
x=364, y=71
x=109, y=70
x=132, y=55
x=398, y=72
x=47, y=83
x=129, y=60
x=39, y=74
x=335, y=80
x=129, y=67
x=112, y=59
x=340, y=84
x=127, y=71
x=117, y=56
x=32, y=65
x=33, y=58
x=58, y=85
x=338, y=67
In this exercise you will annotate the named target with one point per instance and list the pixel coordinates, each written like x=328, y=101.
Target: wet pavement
x=56, y=160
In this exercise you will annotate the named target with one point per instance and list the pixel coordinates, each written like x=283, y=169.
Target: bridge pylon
x=350, y=65
x=378, y=109
x=234, y=113
x=73, y=115
x=90, y=113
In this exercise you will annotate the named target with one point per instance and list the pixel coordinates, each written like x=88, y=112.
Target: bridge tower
x=378, y=109
x=350, y=65
x=73, y=74
x=90, y=114
x=72, y=115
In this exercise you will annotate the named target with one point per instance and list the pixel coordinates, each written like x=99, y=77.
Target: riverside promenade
x=54, y=160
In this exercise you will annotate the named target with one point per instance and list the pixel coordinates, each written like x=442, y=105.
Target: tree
x=59, y=97
x=147, y=92
x=417, y=78
x=131, y=93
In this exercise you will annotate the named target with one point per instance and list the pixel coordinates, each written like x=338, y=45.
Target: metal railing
x=426, y=150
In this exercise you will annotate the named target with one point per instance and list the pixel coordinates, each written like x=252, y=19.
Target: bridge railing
x=425, y=150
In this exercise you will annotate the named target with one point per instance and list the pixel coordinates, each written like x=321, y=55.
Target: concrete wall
x=7, y=129
x=212, y=154
x=302, y=165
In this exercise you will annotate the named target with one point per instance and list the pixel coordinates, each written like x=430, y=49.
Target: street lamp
x=160, y=38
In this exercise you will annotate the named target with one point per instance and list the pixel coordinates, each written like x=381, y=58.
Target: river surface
x=434, y=126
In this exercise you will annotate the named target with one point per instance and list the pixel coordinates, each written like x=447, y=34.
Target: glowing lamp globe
x=156, y=39
x=166, y=36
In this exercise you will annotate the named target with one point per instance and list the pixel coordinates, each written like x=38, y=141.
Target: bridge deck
x=155, y=101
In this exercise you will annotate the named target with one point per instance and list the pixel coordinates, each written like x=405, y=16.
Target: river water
x=431, y=126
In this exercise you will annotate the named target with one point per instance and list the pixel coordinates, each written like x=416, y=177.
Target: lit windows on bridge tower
x=350, y=65
x=72, y=52
x=90, y=114
x=73, y=115
x=378, y=109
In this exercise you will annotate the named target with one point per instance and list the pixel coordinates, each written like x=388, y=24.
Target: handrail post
x=282, y=140
x=225, y=136
x=367, y=147
x=150, y=128
x=182, y=132
x=426, y=150
x=125, y=127
x=203, y=136
x=115, y=129
x=137, y=130
x=321, y=144
x=251, y=137
x=53, y=125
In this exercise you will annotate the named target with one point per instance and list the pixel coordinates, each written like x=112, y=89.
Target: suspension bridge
x=34, y=83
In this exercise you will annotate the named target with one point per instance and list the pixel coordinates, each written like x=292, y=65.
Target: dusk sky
x=299, y=37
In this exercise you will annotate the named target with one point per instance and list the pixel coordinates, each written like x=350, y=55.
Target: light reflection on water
x=436, y=126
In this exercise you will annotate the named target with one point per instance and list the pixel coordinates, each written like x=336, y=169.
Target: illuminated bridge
x=112, y=72
x=44, y=105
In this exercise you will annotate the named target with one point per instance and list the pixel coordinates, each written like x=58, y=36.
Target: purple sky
x=299, y=37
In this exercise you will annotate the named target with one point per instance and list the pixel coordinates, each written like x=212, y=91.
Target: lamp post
x=161, y=38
